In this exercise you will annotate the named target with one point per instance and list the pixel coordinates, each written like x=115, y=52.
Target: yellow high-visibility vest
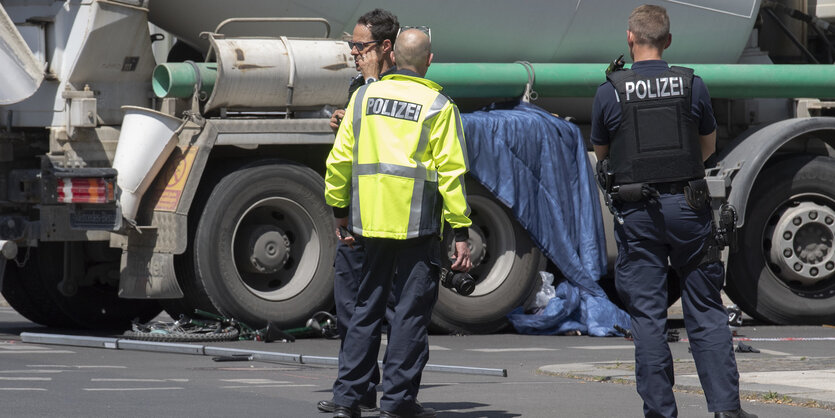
x=399, y=160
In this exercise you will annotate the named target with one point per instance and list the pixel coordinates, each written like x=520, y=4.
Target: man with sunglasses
x=396, y=171
x=371, y=45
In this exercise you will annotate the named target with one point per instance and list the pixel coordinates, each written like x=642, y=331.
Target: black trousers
x=408, y=272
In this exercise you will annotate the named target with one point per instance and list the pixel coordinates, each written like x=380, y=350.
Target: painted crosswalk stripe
x=510, y=350
x=26, y=378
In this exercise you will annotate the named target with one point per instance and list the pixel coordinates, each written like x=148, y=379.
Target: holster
x=696, y=194
x=711, y=253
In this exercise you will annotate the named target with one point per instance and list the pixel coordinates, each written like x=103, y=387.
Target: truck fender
x=748, y=155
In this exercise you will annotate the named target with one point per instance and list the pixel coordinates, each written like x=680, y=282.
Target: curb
x=600, y=372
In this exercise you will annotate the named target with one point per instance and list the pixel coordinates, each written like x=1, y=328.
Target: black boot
x=346, y=412
x=739, y=413
x=329, y=406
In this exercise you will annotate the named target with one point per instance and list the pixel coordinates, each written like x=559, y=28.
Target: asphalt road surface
x=40, y=380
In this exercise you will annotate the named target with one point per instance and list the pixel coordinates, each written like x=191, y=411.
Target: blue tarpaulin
x=536, y=164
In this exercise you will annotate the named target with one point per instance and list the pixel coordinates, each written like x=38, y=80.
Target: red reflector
x=85, y=190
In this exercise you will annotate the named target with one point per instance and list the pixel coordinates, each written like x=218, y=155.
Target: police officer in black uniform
x=655, y=125
x=371, y=45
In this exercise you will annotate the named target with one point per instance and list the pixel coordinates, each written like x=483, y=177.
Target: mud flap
x=148, y=275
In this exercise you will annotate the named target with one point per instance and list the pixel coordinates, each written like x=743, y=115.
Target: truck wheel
x=264, y=246
x=95, y=304
x=29, y=299
x=784, y=272
x=505, y=266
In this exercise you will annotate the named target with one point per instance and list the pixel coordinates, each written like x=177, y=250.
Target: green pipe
x=581, y=80
x=178, y=79
x=733, y=81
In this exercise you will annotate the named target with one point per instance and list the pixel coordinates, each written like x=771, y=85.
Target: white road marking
x=384, y=342
x=27, y=351
x=64, y=366
x=129, y=389
x=26, y=378
x=605, y=347
x=265, y=386
x=23, y=389
x=256, y=381
x=31, y=371
x=104, y=379
x=774, y=352
x=16, y=346
x=510, y=350
x=531, y=383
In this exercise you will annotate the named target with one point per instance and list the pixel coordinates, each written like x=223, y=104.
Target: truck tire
x=505, y=266
x=264, y=245
x=94, y=305
x=784, y=270
x=29, y=299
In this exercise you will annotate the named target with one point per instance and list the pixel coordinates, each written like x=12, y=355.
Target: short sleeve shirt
x=606, y=110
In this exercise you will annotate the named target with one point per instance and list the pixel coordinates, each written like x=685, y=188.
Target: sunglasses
x=425, y=29
x=360, y=46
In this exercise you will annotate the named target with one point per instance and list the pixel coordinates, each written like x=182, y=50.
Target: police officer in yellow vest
x=395, y=173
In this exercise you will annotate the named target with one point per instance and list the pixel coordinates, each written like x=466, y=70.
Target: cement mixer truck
x=127, y=187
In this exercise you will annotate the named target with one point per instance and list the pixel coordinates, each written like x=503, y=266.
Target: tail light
x=86, y=190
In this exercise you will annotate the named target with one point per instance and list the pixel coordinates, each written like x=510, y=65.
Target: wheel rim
x=798, y=243
x=275, y=248
x=492, y=245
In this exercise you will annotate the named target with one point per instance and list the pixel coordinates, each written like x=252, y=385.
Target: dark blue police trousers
x=347, y=276
x=408, y=272
x=652, y=232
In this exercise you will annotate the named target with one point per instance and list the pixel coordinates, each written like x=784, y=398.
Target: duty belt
x=674, y=187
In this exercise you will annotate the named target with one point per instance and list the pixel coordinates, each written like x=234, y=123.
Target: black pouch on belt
x=632, y=192
x=695, y=193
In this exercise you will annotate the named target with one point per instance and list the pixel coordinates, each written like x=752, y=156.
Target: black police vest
x=658, y=137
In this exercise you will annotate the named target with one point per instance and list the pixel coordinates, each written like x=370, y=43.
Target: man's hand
x=336, y=119
x=370, y=64
x=342, y=233
x=462, y=257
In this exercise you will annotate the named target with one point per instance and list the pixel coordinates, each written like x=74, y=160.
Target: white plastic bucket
x=145, y=142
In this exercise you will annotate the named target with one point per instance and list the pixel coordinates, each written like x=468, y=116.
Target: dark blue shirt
x=605, y=116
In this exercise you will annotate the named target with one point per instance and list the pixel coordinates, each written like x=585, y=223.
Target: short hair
x=382, y=24
x=650, y=25
x=412, y=53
